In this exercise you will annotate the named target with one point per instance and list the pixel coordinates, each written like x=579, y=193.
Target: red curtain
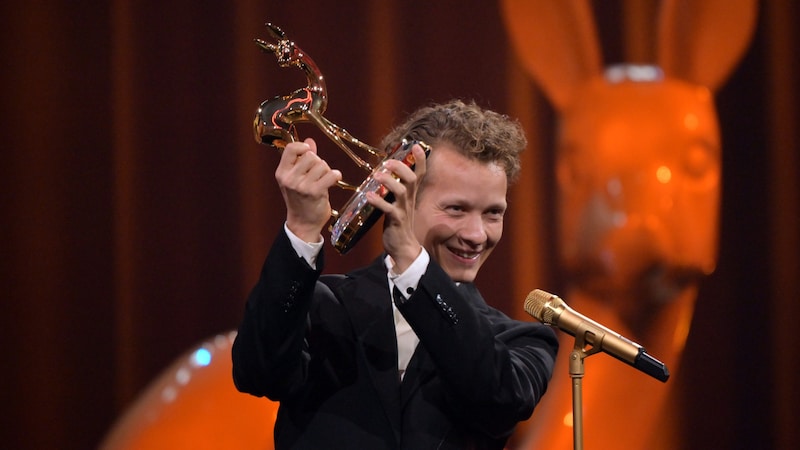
x=136, y=206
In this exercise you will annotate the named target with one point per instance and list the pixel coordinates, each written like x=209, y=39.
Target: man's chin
x=461, y=275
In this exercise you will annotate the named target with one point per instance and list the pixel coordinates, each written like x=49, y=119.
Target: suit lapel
x=419, y=369
x=366, y=298
x=421, y=366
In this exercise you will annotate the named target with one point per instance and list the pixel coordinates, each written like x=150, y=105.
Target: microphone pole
x=576, y=371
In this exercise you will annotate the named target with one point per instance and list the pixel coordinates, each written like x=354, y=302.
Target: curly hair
x=477, y=133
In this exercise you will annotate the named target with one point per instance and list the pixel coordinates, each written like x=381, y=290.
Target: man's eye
x=496, y=214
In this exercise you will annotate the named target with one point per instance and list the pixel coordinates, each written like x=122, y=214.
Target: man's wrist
x=401, y=262
x=308, y=234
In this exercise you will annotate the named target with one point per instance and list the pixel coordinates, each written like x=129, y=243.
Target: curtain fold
x=784, y=167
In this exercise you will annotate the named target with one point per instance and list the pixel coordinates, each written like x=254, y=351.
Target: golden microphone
x=551, y=310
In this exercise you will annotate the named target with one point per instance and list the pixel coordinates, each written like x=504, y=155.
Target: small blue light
x=202, y=357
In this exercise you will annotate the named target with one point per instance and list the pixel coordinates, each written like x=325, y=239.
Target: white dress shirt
x=405, y=282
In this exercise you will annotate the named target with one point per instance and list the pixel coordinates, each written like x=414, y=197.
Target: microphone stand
x=576, y=371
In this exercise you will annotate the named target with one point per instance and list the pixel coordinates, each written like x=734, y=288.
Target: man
x=403, y=353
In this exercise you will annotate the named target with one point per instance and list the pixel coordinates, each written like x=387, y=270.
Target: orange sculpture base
x=194, y=404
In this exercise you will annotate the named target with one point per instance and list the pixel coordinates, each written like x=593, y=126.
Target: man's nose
x=473, y=229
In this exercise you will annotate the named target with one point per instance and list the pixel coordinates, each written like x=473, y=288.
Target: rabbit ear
x=556, y=41
x=702, y=40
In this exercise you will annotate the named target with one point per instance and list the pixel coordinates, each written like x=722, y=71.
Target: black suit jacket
x=325, y=347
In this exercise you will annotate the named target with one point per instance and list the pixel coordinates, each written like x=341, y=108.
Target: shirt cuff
x=306, y=250
x=407, y=281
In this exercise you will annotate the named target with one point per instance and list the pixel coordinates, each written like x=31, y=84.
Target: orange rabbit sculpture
x=638, y=169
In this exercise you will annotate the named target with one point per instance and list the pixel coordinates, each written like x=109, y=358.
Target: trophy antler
x=276, y=118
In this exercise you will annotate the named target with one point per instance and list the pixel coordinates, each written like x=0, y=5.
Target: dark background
x=136, y=207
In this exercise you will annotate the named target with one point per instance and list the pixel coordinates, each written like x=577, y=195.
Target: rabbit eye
x=700, y=164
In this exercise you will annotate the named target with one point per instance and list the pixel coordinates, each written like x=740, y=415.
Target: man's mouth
x=465, y=254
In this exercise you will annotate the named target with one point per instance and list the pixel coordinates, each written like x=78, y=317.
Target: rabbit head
x=638, y=157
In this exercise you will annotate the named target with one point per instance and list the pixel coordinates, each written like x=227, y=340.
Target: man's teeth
x=467, y=255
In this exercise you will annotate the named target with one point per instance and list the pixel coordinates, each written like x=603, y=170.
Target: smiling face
x=459, y=213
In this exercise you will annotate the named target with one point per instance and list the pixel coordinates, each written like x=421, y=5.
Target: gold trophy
x=274, y=125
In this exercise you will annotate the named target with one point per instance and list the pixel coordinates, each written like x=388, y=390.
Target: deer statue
x=638, y=170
